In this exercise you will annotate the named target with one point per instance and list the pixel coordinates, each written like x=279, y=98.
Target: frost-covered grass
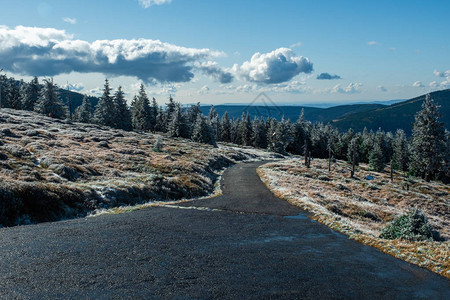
x=361, y=208
x=52, y=169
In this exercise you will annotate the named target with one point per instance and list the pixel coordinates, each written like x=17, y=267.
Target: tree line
x=425, y=154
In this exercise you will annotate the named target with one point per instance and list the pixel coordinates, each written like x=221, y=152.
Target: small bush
x=157, y=147
x=412, y=226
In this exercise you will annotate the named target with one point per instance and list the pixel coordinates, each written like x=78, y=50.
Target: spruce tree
x=259, y=138
x=154, y=114
x=400, y=155
x=225, y=125
x=170, y=109
x=377, y=158
x=282, y=136
x=141, y=111
x=159, y=124
x=202, y=132
x=245, y=130
x=428, y=142
x=49, y=103
x=105, y=110
x=13, y=95
x=83, y=113
x=122, y=115
x=29, y=94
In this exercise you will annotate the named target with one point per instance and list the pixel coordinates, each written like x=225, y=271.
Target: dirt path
x=246, y=245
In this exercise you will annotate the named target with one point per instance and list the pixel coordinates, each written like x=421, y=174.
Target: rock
x=324, y=178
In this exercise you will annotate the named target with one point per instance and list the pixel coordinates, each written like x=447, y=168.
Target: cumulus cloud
x=70, y=20
x=352, y=88
x=327, y=76
x=73, y=87
x=277, y=66
x=212, y=69
x=372, y=43
x=381, y=88
x=418, y=84
x=148, y=3
x=441, y=74
x=48, y=52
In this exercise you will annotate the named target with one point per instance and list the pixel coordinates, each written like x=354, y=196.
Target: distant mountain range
x=357, y=116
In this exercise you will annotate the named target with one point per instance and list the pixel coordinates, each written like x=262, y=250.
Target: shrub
x=157, y=147
x=412, y=226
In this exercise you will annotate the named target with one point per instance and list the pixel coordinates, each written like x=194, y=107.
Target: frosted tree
x=377, y=158
x=170, y=109
x=192, y=114
x=259, y=137
x=83, y=113
x=29, y=94
x=154, y=109
x=213, y=118
x=300, y=134
x=105, y=110
x=141, y=111
x=122, y=115
x=178, y=126
x=49, y=103
x=400, y=155
x=202, y=132
x=245, y=130
x=13, y=93
x=428, y=142
x=225, y=125
x=159, y=124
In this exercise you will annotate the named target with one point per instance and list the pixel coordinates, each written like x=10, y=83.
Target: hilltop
x=55, y=169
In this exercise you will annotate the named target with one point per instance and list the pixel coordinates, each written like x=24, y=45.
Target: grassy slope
x=53, y=169
x=361, y=208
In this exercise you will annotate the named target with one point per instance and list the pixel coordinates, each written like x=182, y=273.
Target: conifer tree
x=245, y=130
x=428, y=142
x=259, y=133
x=29, y=94
x=122, y=115
x=282, y=136
x=141, y=111
x=178, y=126
x=49, y=103
x=105, y=110
x=400, y=155
x=377, y=158
x=83, y=113
x=202, y=132
x=13, y=94
x=159, y=125
x=154, y=114
x=225, y=125
x=213, y=118
x=170, y=109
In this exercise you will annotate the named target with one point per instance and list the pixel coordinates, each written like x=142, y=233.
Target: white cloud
x=277, y=66
x=48, y=52
x=418, y=84
x=381, y=88
x=372, y=43
x=211, y=68
x=74, y=87
x=433, y=84
x=70, y=20
x=441, y=74
x=352, y=88
x=148, y=3
x=204, y=90
x=296, y=45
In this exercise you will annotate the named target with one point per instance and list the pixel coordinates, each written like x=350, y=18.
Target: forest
x=426, y=153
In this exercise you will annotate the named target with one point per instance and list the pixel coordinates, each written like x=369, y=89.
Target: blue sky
x=208, y=50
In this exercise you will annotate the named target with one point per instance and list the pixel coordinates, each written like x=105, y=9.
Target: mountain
x=313, y=114
x=398, y=115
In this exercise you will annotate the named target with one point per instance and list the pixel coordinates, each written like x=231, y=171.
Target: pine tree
x=122, y=115
x=259, y=138
x=13, y=94
x=245, y=130
x=282, y=136
x=225, y=125
x=49, y=103
x=170, y=109
x=428, y=142
x=192, y=113
x=213, y=118
x=271, y=134
x=299, y=134
x=202, y=132
x=29, y=94
x=105, y=110
x=159, y=125
x=377, y=157
x=154, y=114
x=83, y=113
x=141, y=111
x=400, y=155
x=178, y=125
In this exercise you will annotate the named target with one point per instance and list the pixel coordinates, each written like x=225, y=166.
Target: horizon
x=297, y=52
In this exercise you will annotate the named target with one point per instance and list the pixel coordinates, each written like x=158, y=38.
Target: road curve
x=246, y=244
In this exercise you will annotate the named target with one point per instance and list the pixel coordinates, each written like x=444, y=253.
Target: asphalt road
x=244, y=244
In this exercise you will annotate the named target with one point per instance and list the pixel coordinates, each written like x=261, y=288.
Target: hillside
x=313, y=114
x=399, y=115
x=54, y=169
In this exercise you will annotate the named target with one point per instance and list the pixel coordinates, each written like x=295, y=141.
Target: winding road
x=246, y=243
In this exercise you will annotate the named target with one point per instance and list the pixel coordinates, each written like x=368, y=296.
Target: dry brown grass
x=361, y=208
x=107, y=167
